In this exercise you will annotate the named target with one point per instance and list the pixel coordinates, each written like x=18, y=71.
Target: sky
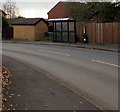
x=33, y=8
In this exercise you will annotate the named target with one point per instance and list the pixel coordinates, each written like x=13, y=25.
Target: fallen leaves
x=4, y=82
x=5, y=74
x=18, y=95
x=5, y=94
x=81, y=102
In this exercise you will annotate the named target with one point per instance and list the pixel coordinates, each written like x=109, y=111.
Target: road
x=91, y=74
x=33, y=90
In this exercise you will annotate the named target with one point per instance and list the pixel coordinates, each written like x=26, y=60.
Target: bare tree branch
x=10, y=8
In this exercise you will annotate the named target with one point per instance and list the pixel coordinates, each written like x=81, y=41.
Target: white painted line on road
x=12, y=47
x=105, y=63
x=58, y=53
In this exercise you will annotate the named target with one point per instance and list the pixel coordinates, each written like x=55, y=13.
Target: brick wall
x=58, y=11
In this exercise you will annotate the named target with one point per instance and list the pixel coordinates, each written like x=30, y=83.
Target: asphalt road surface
x=91, y=74
x=32, y=90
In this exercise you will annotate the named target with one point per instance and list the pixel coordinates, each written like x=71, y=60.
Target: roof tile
x=27, y=21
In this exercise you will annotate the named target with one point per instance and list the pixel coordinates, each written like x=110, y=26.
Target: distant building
x=29, y=29
x=2, y=13
x=60, y=10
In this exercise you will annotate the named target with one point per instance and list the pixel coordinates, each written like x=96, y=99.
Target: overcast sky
x=37, y=8
x=34, y=8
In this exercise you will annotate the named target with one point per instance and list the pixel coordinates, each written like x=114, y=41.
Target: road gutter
x=65, y=44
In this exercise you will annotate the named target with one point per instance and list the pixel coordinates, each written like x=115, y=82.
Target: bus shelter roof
x=61, y=20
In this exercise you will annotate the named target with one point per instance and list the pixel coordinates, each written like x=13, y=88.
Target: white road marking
x=13, y=47
x=105, y=63
x=58, y=53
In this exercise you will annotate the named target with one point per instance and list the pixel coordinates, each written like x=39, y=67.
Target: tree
x=117, y=10
x=77, y=10
x=10, y=8
x=107, y=11
x=4, y=23
x=95, y=11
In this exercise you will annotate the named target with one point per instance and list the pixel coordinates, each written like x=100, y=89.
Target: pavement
x=103, y=47
x=32, y=90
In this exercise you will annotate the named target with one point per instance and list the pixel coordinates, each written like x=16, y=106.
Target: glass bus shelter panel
x=71, y=37
x=64, y=26
x=58, y=26
x=65, y=36
x=65, y=31
x=58, y=37
x=71, y=26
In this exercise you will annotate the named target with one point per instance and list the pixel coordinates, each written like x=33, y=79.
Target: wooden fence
x=101, y=33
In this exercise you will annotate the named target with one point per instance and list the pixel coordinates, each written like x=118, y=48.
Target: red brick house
x=60, y=10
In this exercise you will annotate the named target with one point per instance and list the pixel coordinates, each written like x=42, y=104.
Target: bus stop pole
x=75, y=32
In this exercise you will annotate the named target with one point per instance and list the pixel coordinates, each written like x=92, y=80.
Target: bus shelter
x=64, y=30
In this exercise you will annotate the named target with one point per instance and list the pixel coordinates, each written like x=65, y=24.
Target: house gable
x=60, y=10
